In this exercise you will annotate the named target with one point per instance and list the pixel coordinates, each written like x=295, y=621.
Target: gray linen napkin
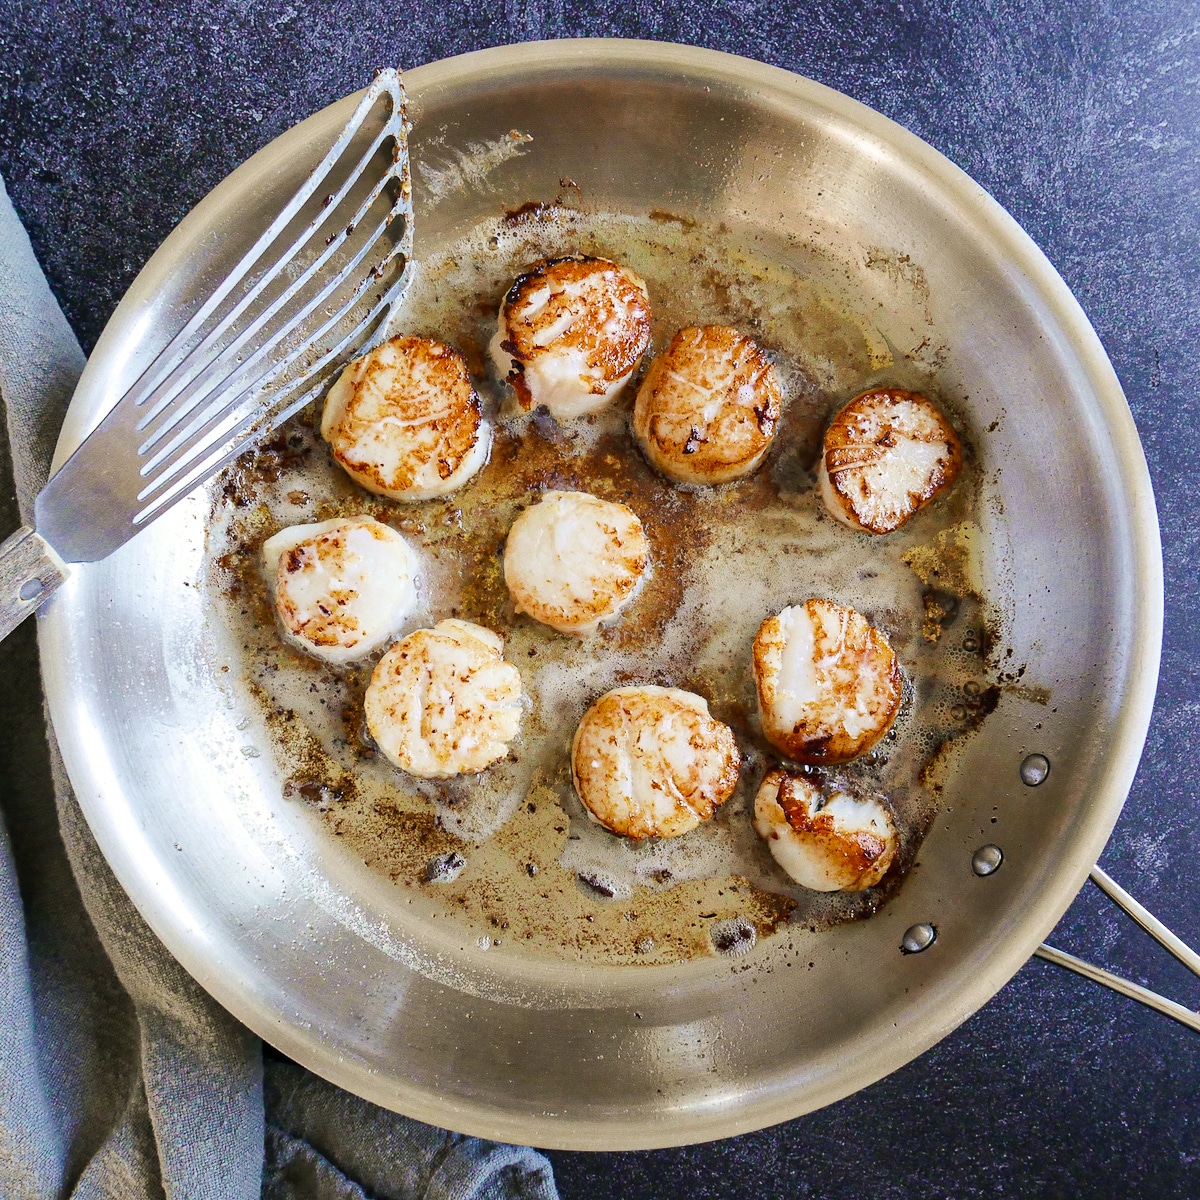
x=119, y=1076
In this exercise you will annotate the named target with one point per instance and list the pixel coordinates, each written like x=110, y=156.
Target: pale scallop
x=652, y=761
x=405, y=421
x=443, y=701
x=341, y=588
x=886, y=455
x=570, y=333
x=826, y=842
x=573, y=560
x=829, y=684
x=709, y=406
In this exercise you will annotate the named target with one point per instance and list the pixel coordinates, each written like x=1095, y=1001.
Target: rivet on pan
x=918, y=938
x=31, y=589
x=986, y=860
x=1034, y=770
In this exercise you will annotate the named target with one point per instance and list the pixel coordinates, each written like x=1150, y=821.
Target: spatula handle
x=30, y=573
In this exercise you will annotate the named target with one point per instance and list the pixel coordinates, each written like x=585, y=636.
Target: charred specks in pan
x=941, y=611
x=540, y=212
x=531, y=211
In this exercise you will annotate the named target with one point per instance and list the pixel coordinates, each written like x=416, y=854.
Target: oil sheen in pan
x=510, y=857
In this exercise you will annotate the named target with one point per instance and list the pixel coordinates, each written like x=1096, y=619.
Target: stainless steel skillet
x=312, y=950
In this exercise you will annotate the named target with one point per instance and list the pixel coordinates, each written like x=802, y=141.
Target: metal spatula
x=314, y=291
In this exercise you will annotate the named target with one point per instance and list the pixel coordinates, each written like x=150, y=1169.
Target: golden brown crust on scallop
x=443, y=701
x=339, y=587
x=331, y=624
x=416, y=395
x=610, y=325
x=576, y=595
x=674, y=419
x=819, y=734
x=858, y=442
x=858, y=853
x=661, y=734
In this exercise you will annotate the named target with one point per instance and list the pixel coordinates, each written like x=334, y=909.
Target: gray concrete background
x=1083, y=120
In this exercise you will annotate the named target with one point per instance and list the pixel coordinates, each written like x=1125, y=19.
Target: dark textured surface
x=1084, y=121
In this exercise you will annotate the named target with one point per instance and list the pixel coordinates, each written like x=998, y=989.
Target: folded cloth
x=119, y=1076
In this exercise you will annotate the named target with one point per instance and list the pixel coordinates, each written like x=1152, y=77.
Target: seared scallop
x=709, y=406
x=341, y=588
x=829, y=684
x=887, y=454
x=573, y=560
x=444, y=702
x=571, y=332
x=652, y=762
x=827, y=842
x=405, y=421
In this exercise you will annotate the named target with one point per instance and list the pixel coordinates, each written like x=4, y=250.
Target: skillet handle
x=30, y=572
x=1157, y=930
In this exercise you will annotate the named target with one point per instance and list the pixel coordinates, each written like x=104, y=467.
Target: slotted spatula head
x=315, y=290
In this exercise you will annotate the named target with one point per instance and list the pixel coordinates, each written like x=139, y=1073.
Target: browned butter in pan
x=508, y=860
